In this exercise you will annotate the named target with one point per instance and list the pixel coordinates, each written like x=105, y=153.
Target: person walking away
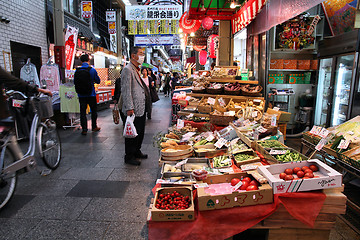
x=84, y=79
x=167, y=84
x=116, y=98
x=174, y=81
x=16, y=84
x=149, y=83
x=158, y=81
x=135, y=97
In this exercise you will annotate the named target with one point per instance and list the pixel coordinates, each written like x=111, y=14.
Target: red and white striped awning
x=246, y=14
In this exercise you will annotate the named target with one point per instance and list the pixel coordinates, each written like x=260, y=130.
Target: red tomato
x=295, y=170
x=308, y=171
x=289, y=177
x=254, y=182
x=282, y=175
x=234, y=181
x=245, y=185
x=246, y=179
x=309, y=175
x=314, y=168
x=288, y=171
x=304, y=168
x=252, y=188
x=300, y=174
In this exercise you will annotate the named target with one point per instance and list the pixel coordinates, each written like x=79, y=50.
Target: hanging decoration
x=207, y=23
x=202, y=57
x=189, y=26
x=213, y=45
x=198, y=47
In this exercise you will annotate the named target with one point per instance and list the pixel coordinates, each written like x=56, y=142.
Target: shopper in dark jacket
x=116, y=97
x=17, y=84
x=167, y=84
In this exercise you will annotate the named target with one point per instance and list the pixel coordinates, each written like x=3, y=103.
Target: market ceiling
x=216, y=9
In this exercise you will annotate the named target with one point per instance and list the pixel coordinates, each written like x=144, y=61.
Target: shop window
x=72, y=6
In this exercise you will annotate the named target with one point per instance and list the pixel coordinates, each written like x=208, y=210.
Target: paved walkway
x=93, y=194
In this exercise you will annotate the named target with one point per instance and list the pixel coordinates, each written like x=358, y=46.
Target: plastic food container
x=199, y=175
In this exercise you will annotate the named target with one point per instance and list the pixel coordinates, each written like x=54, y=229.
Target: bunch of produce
x=200, y=84
x=237, y=105
x=172, y=136
x=251, y=88
x=220, y=72
x=238, y=147
x=336, y=143
x=199, y=119
x=171, y=168
x=194, y=100
x=270, y=144
x=203, y=142
x=218, y=113
x=215, y=86
x=172, y=201
x=289, y=157
x=247, y=183
x=250, y=113
x=305, y=172
x=189, y=167
x=168, y=143
x=266, y=120
x=243, y=157
x=260, y=106
x=233, y=86
x=221, y=161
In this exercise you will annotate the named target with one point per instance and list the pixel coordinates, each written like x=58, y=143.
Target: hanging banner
x=168, y=12
x=154, y=26
x=113, y=43
x=110, y=16
x=86, y=9
x=132, y=30
x=174, y=27
x=70, y=46
x=164, y=27
x=149, y=40
x=142, y=27
x=112, y=27
x=246, y=14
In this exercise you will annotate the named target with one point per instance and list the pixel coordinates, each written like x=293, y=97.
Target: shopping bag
x=129, y=129
x=116, y=114
x=154, y=95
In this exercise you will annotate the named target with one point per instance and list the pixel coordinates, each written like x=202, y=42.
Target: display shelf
x=223, y=96
x=292, y=70
x=224, y=80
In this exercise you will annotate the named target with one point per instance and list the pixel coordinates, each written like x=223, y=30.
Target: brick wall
x=27, y=25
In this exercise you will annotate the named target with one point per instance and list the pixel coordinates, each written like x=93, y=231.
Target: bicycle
x=43, y=135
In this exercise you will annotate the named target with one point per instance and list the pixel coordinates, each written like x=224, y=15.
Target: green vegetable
x=270, y=144
x=221, y=161
x=289, y=157
x=243, y=157
x=337, y=142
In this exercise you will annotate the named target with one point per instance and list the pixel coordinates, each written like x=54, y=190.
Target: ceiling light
x=232, y=5
x=192, y=34
x=180, y=30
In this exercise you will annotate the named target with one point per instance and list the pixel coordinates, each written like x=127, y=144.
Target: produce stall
x=216, y=183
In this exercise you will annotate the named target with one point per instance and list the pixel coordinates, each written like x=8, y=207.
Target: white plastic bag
x=129, y=128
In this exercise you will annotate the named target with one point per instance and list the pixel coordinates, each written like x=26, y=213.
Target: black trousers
x=133, y=145
x=91, y=101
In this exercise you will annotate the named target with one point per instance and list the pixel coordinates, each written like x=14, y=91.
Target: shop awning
x=147, y=65
x=246, y=14
x=279, y=11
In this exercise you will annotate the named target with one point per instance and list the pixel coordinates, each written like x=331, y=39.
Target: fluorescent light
x=97, y=35
x=232, y=5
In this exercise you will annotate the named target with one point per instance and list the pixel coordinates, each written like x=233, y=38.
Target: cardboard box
x=173, y=215
x=276, y=63
x=296, y=78
x=328, y=177
x=290, y=64
x=281, y=116
x=236, y=199
x=303, y=64
x=276, y=78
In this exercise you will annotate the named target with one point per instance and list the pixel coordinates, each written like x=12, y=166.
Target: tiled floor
x=93, y=194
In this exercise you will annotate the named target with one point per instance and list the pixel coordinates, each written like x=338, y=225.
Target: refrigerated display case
x=335, y=86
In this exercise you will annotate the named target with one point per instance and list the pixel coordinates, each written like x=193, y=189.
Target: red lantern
x=199, y=47
x=213, y=44
x=207, y=23
x=202, y=57
x=189, y=26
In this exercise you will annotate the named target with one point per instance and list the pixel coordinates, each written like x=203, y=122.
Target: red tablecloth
x=203, y=126
x=224, y=223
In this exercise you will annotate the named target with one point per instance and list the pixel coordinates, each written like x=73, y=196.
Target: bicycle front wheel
x=49, y=144
x=8, y=182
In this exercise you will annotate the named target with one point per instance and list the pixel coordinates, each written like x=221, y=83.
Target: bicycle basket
x=43, y=106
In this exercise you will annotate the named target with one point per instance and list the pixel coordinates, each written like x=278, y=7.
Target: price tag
x=249, y=167
x=321, y=144
x=234, y=141
x=273, y=121
x=344, y=144
x=254, y=114
x=210, y=138
x=201, y=185
x=226, y=170
x=324, y=132
x=180, y=124
x=189, y=134
x=261, y=129
x=181, y=163
x=316, y=130
x=276, y=108
x=220, y=143
x=211, y=101
x=257, y=100
x=197, y=137
x=222, y=102
x=236, y=187
x=229, y=113
x=190, y=115
x=277, y=152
